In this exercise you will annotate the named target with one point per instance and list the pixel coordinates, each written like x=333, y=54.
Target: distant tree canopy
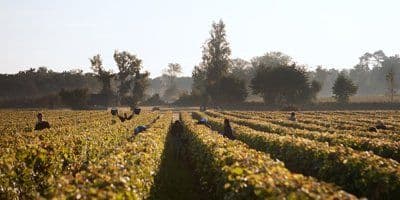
x=188, y=99
x=242, y=69
x=271, y=59
x=343, y=88
x=154, y=100
x=40, y=82
x=169, y=75
x=283, y=84
x=216, y=80
x=213, y=81
x=103, y=75
x=229, y=89
x=133, y=83
x=369, y=74
x=76, y=99
x=390, y=78
x=41, y=87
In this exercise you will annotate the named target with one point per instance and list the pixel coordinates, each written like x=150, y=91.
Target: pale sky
x=62, y=35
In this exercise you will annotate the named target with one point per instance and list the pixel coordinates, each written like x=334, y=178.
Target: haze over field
x=64, y=34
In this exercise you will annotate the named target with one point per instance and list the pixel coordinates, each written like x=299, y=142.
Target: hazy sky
x=62, y=35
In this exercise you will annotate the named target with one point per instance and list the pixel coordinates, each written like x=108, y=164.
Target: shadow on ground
x=175, y=180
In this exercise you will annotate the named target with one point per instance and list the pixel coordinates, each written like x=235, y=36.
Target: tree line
x=279, y=80
x=216, y=80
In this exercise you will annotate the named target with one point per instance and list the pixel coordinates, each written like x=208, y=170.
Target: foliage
x=199, y=87
x=188, y=99
x=271, y=59
x=57, y=161
x=37, y=87
x=172, y=71
x=103, y=75
x=212, y=78
x=169, y=75
x=230, y=90
x=302, y=155
x=242, y=69
x=35, y=83
x=380, y=146
x=76, y=99
x=90, y=155
x=390, y=78
x=343, y=88
x=154, y=100
x=315, y=87
x=132, y=83
x=283, y=84
x=230, y=170
x=216, y=53
x=369, y=74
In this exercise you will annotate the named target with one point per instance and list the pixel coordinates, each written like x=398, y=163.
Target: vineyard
x=91, y=154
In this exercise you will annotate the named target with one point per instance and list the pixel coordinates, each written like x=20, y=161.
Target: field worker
x=137, y=110
x=204, y=122
x=292, y=117
x=114, y=111
x=125, y=117
x=140, y=129
x=176, y=131
x=228, y=130
x=380, y=125
x=40, y=124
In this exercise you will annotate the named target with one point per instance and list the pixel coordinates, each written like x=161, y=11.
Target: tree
x=391, y=84
x=343, y=88
x=315, y=87
x=154, y=100
x=283, y=84
x=170, y=74
x=103, y=75
x=140, y=83
x=199, y=86
x=271, y=59
x=76, y=99
x=231, y=89
x=216, y=53
x=212, y=80
x=172, y=71
x=242, y=69
x=132, y=82
x=186, y=99
x=216, y=58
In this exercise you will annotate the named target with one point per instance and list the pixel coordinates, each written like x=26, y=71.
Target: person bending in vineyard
x=204, y=122
x=292, y=117
x=137, y=130
x=380, y=125
x=140, y=129
x=176, y=131
x=228, y=130
x=125, y=117
x=40, y=124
